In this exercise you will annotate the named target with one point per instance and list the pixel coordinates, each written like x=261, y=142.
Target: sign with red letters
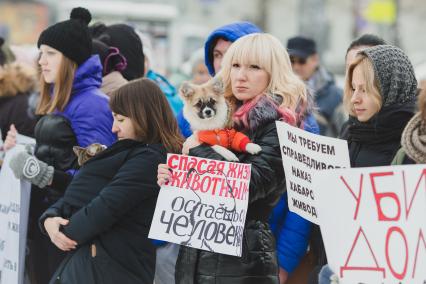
x=204, y=205
x=373, y=223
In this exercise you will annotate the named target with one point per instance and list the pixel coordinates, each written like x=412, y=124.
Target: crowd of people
x=89, y=222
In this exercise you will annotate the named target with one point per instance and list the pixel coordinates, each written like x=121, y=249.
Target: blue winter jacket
x=88, y=108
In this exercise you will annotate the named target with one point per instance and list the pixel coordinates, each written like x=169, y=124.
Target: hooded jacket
x=17, y=82
x=231, y=33
x=87, y=114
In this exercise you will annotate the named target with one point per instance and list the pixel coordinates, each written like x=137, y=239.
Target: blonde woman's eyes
x=254, y=66
x=236, y=65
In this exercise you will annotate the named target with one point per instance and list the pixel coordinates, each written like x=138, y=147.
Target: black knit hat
x=125, y=38
x=71, y=37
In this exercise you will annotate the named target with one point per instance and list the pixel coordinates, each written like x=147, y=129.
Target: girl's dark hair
x=111, y=58
x=366, y=39
x=145, y=104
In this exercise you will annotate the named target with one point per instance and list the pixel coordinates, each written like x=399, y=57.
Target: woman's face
x=200, y=74
x=50, y=62
x=123, y=127
x=248, y=81
x=364, y=104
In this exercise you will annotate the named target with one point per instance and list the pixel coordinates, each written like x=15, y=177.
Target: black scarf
x=385, y=126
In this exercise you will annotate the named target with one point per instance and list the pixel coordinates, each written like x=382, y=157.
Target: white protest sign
x=373, y=223
x=14, y=206
x=303, y=153
x=204, y=206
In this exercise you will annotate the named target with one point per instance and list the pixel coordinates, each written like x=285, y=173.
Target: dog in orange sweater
x=210, y=117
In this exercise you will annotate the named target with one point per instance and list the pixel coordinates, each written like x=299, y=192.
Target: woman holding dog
x=104, y=218
x=257, y=75
x=73, y=112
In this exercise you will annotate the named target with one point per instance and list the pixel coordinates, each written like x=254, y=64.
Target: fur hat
x=71, y=37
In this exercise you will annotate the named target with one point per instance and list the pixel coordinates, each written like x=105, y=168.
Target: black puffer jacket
x=55, y=139
x=110, y=203
x=258, y=263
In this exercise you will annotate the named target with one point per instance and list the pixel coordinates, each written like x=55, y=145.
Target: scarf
x=259, y=111
x=385, y=126
x=413, y=139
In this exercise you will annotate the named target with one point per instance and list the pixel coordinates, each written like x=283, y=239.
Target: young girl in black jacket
x=106, y=212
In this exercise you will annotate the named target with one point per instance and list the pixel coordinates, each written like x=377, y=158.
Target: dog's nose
x=208, y=112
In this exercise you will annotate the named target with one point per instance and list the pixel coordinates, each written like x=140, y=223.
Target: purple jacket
x=88, y=110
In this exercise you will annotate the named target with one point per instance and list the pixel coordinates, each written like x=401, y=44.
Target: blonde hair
x=267, y=52
x=62, y=88
x=371, y=83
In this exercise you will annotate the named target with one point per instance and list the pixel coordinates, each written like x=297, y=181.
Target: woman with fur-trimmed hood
x=17, y=82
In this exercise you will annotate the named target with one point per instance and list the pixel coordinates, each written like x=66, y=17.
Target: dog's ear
x=78, y=150
x=186, y=90
x=217, y=85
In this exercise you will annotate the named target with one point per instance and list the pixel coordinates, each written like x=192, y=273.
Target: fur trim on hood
x=16, y=79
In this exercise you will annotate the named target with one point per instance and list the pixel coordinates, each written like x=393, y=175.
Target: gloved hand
x=28, y=167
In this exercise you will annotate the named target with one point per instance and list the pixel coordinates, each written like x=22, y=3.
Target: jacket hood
x=16, y=78
x=394, y=72
x=231, y=33
x=88, y=74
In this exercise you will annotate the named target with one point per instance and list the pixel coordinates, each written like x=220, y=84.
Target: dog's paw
x=231, y=157
x=228, y=155
x=253, y=148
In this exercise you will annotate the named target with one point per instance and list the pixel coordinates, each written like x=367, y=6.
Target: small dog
x=84, y=154
x=210, y=115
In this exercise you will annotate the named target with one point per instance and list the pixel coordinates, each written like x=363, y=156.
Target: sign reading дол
x=373, y=223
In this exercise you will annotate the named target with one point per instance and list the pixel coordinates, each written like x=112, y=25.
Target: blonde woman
x=257, y=74
x=380, y=95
